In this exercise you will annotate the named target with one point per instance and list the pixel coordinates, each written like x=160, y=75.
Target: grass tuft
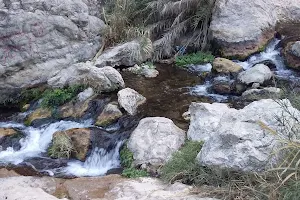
x=195, y=58
x=61, y=147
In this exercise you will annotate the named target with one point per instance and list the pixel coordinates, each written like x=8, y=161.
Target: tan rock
x=39, y=114
x=7, y=132
x=223, y=65
x=74, y=110
x=80, y=138
x=109, y=115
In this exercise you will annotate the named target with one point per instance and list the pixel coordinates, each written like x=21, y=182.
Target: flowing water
x=168, y=95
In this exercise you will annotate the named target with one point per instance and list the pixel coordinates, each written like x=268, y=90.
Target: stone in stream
x=223, y=85
x=130, y=100
x=42, y=37
x=240, y=28
x=109, y=115
x=154, y=141
x=144, y=70
x=223, y=65
x=241, y=140
x=265, y=93
x=127, y=54
x=292, y=54
x=38, y=117
x=258, y=74
x=74, y=110
x=10, y=137
x=100, y=79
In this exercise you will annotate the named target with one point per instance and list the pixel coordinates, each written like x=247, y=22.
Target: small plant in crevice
x=194, y=58
x=61, y=147
x=126, y=158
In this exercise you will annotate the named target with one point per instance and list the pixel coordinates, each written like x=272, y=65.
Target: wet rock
x=223, y=65
x=80, y=139
x=241, y=29
x=100, y=79
x=127, y=54
x=86, y=94
x=7, y=132
x=10, y=138
x=292, y=54
x=44, y=163
x=265, y=93
x=242, y=139
x=130, y=100
x=40, y=37
x=154, y=140
x=109, y=115
x=144, y=70
x=223, y=85
x=39, y=117
x=258, y=74
x=74, y=110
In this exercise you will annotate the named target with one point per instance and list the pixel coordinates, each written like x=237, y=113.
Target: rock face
x=43, y=36
x=238, y=139
x=265, y=93
x=154, y=140
x=242, y=27
x=127, y=54
x=292, y=54
x=109, y=115
x=80, y=139
x=223, y=65
x=257, y=74
x=130, y=99
x=101, y=79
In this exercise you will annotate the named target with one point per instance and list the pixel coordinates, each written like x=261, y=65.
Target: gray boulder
x=127, y=54
x=86, y=94
x=296, y=49
x=101, y=79
x=243, y=139
x=41, y=37
x=154, y=141
x=265, y=93
x=130, y=100
x=242, y=27
x=257, y=74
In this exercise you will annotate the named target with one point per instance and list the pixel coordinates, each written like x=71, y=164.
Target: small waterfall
x=98, y=163
x=36, y=141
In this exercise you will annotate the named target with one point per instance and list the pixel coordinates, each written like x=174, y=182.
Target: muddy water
x=168, y=95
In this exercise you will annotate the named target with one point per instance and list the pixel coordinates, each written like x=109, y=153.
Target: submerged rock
x=100, y=79
x=242, y=140
x=223, y=65
x=258, y=74
x=109, y=115
x=41, y=37
x=240, y=28
x=265, y=93
x=130, y=100
x=127, y=54
x=154, y=141
x=144, y=70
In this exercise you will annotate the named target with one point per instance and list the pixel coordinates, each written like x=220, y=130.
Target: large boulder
x=130, y=100
x=127, y=54
x=41, y=37
x=101, y=79
x=265, y=93
x=154, y=141
x=242, y=140
x=260, y=73
x=223, y=65
x=242, y=27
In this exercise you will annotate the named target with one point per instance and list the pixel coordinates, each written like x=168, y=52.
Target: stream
x=168, y=95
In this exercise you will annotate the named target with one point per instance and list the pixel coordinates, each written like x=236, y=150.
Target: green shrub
x=134, y=173
x=31, y=94
x=126, y=158
x=56, y=97
x=195, y=58
x=61, y=147
x=183, y=167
